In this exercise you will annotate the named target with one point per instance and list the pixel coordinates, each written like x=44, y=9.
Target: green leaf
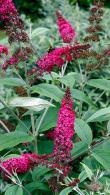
x=39, y=171
x=49, y=77
x=68, y=80
x=66, y=191
x=79, y=95
x=48, y=90
x=24, y=128
x=101, y=153
x=50, y=119
x=83, y=131
x=100, y=83
x=88, y=171
x=97, y=115
x=12, y=139
x=39, y=31
x=78, y=149
x=14, y=82
x=36, y=185
x=82, y=176
x=35, y=104
x=45, y=147
x=14, y=190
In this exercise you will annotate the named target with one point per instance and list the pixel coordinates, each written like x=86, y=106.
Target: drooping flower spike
x=59, y=56
x=20, y=164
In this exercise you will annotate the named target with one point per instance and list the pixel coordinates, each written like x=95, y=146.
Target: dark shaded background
x=34, y=8
x=31, y=8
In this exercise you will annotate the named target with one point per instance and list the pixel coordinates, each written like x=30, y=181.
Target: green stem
x=42, y=118
x=81, y=86
x=63, y=71
x=31, y=115
x=40, y=123
x=4, y=126
x=99, y=97
x=78, y=190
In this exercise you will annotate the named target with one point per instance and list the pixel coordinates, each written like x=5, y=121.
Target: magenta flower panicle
x=20, y=164
x=59, y=56
x=66, y=30
x=65, y=129
x=7, y=10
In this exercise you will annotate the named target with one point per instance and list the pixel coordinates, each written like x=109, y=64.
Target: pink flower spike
x=66, y=30
x=65, y=129
x=20, y=164
x=7, y=9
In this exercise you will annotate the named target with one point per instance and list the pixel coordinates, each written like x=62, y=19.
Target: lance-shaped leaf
x=48, y=90
x=79, y=95
x=35, y=104
x=100, y=83
x=39, y=31
x=97, y=115
x=12, y=139
x=68, y=80
x=14, y=82
x=83, y=131
x=15, y=189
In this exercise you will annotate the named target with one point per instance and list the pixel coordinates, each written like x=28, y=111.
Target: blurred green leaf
x=14, y=82
x=39, y=31
x=40, y=171
x=14, y=190
x=36, y=185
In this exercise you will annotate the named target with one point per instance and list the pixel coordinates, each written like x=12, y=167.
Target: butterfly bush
x=63, y=134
